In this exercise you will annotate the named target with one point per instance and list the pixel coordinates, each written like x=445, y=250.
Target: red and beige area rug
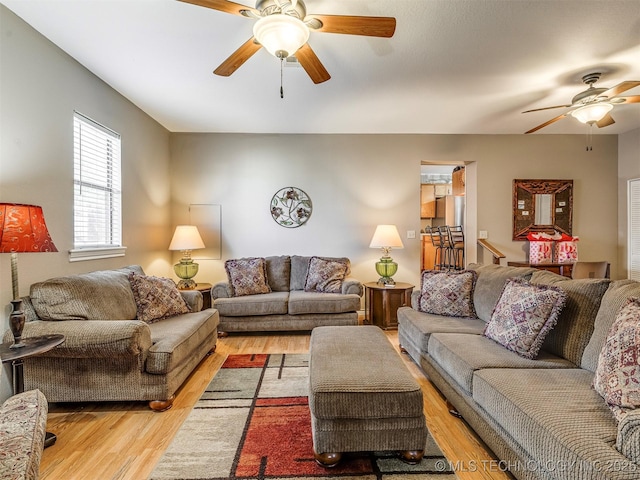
x=253, y=422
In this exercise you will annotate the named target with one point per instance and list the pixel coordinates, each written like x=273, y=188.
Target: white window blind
x=634, y=229
x=97, y=192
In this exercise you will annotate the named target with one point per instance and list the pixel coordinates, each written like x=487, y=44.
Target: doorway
x=442, y=207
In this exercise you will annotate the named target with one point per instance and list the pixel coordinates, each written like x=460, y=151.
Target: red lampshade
x=23, y=229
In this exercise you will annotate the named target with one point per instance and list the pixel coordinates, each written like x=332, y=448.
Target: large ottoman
x=362, y=397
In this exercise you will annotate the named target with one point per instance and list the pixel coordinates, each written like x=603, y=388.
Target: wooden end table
x=32, y=346
x=382, y=303
x=205, y=290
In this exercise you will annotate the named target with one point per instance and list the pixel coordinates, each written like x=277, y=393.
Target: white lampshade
x=282, y=35
x=592, y=113
x=186, y=237
x=386, y=236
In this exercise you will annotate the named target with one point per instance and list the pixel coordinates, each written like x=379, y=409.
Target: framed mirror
x=542, y=206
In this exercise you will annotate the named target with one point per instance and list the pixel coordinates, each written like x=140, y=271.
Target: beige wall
x=40, y=87
x=358, y=181
x=628, y=168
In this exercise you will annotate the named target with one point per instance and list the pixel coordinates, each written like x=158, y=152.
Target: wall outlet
x=411, y=234
x=483, y=234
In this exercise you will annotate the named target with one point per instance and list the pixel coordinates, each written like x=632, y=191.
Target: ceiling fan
x=283, y=27
x=594, y=104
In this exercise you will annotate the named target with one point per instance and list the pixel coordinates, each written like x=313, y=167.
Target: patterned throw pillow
x=325, y=276
x=617, y=376
x=448, y=293
x=524, y=315
x=156, y=297
x=247, y=276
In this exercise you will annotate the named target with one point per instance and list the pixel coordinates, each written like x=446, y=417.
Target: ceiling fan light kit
x=592, y=113
x=282, y=35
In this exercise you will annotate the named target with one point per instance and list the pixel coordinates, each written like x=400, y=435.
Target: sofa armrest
x=92, y=338
x=628, y=441
x=351, y=286
x=220, y=290
x=415, y=299
x=23, y=422
x=193, y=299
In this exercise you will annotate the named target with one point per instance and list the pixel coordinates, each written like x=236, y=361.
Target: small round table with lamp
x=382, y=303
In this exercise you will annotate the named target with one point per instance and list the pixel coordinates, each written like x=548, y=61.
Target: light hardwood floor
x=102, y=441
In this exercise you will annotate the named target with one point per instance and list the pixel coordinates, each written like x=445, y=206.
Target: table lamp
x=186, y=238
x=22, y=230
x=386, y=237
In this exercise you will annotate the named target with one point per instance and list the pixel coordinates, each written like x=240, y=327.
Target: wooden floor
x=125, y=440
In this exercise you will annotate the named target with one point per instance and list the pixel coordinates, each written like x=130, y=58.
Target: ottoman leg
x=412, y=457
x=327, y=460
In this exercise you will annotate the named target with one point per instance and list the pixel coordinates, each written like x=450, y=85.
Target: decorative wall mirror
x=542, y=206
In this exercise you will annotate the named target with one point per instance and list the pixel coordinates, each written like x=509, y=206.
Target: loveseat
x=277, y=293
x=541, y=416
x=128, y=337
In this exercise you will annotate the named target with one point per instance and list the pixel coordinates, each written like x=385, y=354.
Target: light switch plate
x=483, y=234
x=411, y=234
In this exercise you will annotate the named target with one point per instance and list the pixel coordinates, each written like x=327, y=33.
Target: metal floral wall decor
x=291, y=207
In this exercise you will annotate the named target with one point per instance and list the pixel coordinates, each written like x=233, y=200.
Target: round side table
x=382, y=303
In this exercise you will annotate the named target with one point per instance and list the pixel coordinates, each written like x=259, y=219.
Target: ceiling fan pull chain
x=281, y=77
x=590, y=137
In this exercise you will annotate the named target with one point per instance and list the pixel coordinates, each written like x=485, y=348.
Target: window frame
x=111, y=246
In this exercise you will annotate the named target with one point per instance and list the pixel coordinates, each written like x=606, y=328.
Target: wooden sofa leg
x=411, y=457
x=453, y=411
x=222, y=334
x=402, y=349
x=327, y=460
x=162, y=405
x=212, y=351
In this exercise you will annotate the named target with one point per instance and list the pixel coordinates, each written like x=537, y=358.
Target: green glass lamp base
x=386, y=268
x=186, y=270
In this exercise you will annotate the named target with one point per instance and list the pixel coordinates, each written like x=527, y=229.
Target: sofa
x=128, y=337
x=23, y=421
x=290, y=299
x=541, y=416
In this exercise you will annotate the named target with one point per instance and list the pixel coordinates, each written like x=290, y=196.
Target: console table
x=382, y=303
x=563, y=269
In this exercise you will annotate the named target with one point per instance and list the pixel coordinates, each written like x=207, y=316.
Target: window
x=97, y=196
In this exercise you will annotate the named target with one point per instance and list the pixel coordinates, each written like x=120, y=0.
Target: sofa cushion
x=156, y=297
x=247, y=276
x=524, y=316
x=573, y=330
x=460, y=355
x=176, y=339
x=555, y=417
x=301, y=302
x=264, y=304
x=613, y=300
x=325, y=276
x=278, y=273
x=300, y=265
x=100, y=295
x=488, y=288
x=448, y=293
x=417, y=327
x=617, y=376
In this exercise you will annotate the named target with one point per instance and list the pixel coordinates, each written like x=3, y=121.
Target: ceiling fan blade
x=353, y=25
x=605, y=121
x=546, y=108
x=223, y=6
x=549, y=122
x=312, y=64
x=618, y=89
x=632, y=99
x=237, y=58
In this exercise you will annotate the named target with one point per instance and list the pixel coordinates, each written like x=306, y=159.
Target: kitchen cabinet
x=428, y=253
x=427, y=201
x=458, y=182
x=443, y=189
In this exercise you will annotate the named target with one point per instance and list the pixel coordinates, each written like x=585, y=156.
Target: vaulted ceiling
x=452, y=67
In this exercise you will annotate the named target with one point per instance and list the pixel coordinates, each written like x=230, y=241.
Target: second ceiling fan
x=283, y=28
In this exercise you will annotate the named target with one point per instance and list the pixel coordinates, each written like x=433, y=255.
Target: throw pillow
x=617, y=377
x=156, y=297
x=247, y=276
x=325, y=276
x=524, y=315
x=448, y=293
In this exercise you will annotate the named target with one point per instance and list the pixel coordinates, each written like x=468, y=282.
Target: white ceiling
x=453, y=66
